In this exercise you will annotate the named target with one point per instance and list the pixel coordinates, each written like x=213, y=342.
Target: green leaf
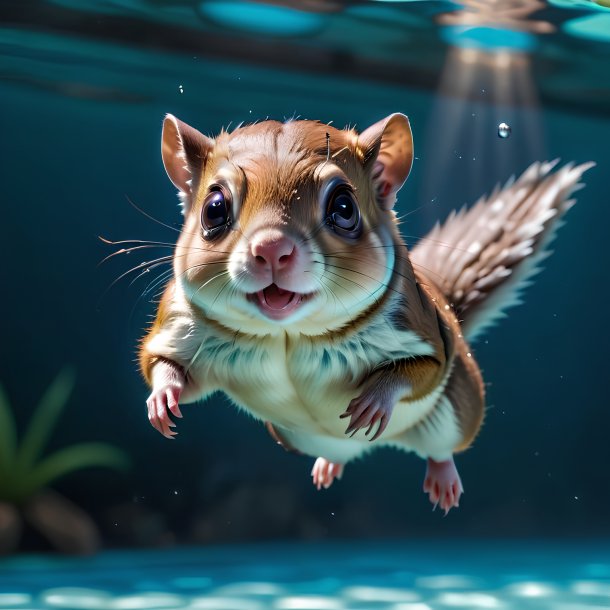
x=73, y=458
x=8, y=436
x=44, y=419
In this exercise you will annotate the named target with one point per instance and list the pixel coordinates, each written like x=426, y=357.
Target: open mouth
x=277, y=303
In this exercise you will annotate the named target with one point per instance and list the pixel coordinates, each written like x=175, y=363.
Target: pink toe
x=443, y=484
x=436, y=492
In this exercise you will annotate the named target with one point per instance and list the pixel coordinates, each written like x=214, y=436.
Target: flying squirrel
x=294, y=293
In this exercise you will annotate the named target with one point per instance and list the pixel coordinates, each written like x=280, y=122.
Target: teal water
x=421, y=576
x=83, y=89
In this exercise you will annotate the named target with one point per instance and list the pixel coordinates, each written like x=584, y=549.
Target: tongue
x=277, y=298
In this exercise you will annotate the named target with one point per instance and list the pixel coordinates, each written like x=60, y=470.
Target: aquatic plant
x=25, y=473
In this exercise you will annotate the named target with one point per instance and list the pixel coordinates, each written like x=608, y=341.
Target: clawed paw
x=367, y=411
x=443, y=484
x=325, y=472
x=161, y=403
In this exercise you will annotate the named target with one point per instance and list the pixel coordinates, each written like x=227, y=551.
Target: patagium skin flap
x=294, y=293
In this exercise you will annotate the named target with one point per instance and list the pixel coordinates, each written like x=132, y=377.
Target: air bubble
x=504, y=130
x=181, y=88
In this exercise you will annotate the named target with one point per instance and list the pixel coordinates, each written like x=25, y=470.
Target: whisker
x=144, y=267
x=428, y=270
x=388, y=322
x=406, y=236
x=417, y=209
x=151, y=243
x=133, y=241
x=163, y=276
x=151, y=217
x=162, y=259
x=332, y=292
x=166, y=275
x=227, y=283
x=349, y=279
x=444, y=244
x=148, y=269
x=205, y=264
x=381, y=246
x=136, y=268
x=381, y=284
x=130, y=250
x=393, y=269
x=214, y=277
x=148, y=215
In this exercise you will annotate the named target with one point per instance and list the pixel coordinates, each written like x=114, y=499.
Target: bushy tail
x=483, y=257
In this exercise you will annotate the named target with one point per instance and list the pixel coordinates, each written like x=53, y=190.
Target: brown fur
x=465, y=388
x=145, y=358
x=272, y=170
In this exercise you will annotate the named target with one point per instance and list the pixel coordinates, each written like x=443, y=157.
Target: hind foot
x=443, y=484
x=325, y=472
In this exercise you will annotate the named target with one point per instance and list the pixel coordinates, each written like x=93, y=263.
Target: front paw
x=160, y=403
x=372, y=407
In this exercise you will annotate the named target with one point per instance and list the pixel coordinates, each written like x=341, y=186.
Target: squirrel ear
x=388, y=153
x=184, y=152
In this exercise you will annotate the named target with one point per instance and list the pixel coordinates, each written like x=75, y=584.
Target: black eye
x=343, y=214
x=215, y=215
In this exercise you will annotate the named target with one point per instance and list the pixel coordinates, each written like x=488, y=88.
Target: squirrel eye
x=215, y=215
x=343, y=214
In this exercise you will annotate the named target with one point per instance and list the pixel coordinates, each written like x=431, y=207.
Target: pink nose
x=277, y=252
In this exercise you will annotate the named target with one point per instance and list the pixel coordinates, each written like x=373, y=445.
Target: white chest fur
x=298, y=381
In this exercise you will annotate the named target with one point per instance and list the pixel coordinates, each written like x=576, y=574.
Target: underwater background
x=84, y=86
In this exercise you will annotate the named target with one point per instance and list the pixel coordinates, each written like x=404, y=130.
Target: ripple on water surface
x=320, y=577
